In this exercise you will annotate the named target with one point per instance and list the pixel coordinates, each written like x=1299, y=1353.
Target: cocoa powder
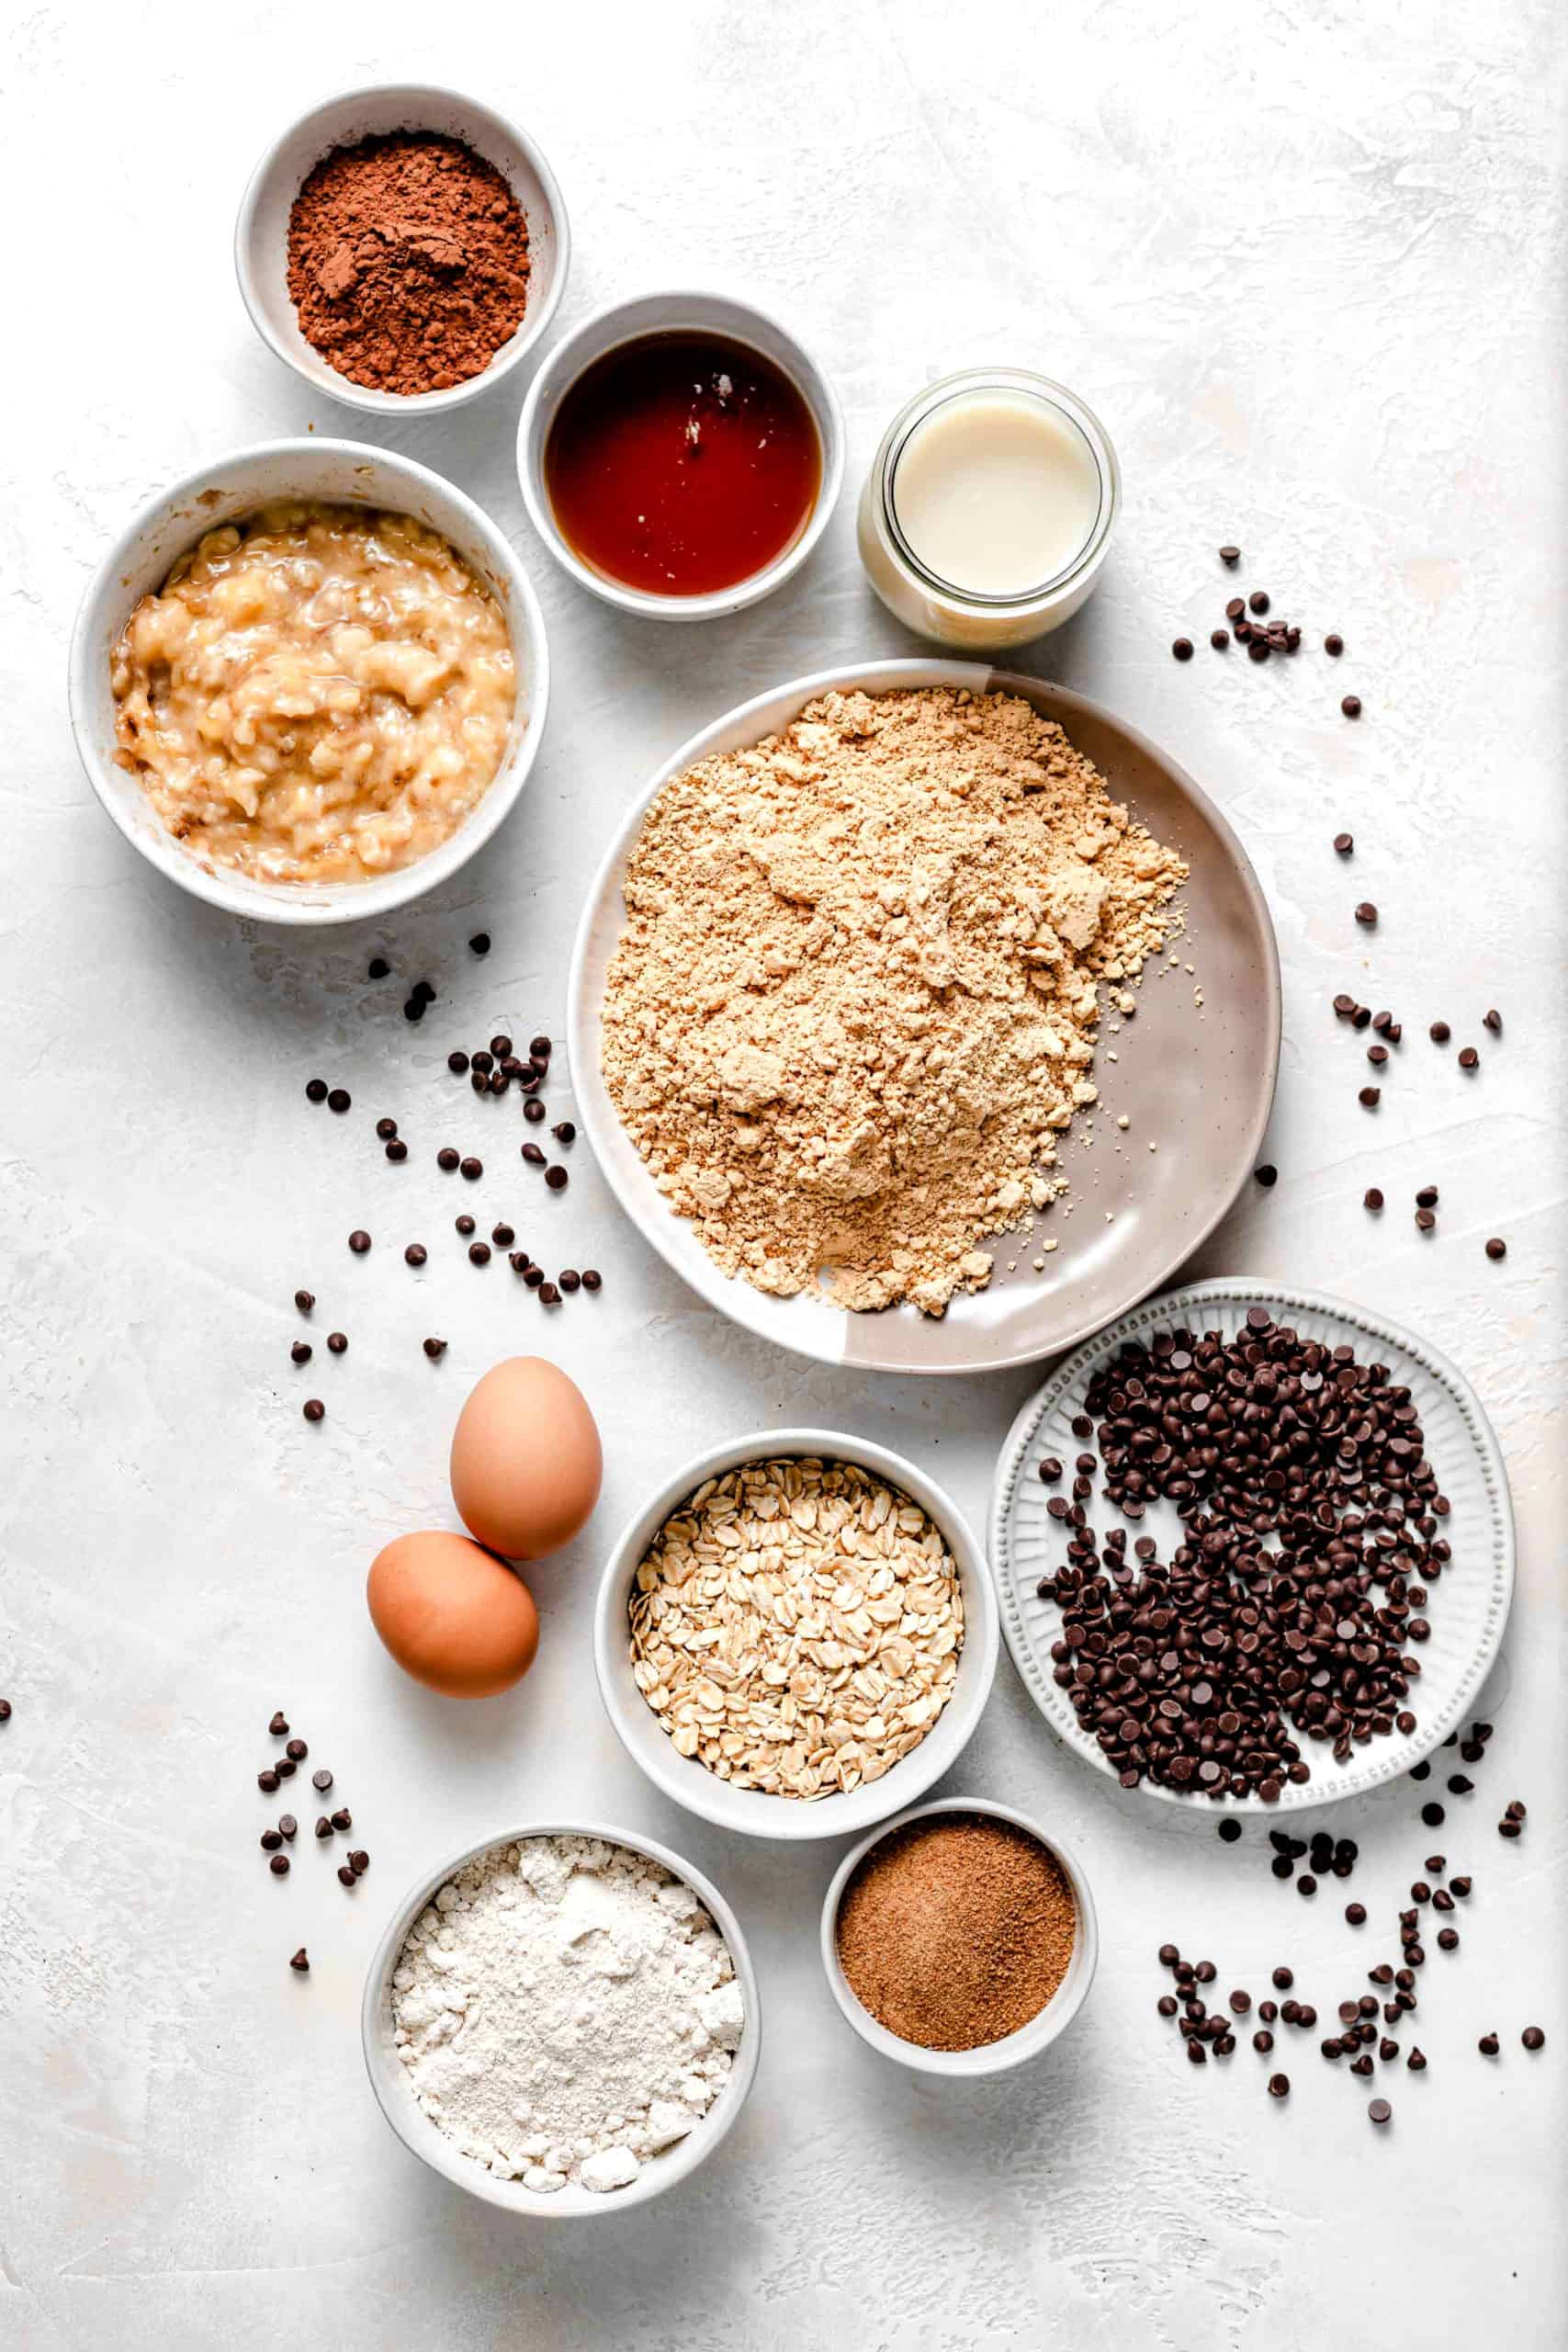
x=408, y=261
x=957, y=1930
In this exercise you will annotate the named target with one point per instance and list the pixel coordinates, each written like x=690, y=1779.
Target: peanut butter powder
x=853, y=1006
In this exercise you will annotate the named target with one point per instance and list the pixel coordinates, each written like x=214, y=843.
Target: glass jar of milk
x=987, y=512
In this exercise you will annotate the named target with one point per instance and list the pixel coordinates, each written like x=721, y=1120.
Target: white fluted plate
x=1468, y=1606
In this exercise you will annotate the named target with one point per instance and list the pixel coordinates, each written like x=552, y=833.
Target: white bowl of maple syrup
x=680, y=455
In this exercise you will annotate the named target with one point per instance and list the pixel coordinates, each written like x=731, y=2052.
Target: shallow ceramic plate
x=1196, y=1079
x=1469, y=1607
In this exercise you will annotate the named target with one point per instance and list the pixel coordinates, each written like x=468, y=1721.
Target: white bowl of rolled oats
x=796, y=1635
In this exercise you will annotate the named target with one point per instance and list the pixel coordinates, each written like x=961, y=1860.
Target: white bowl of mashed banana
x=308, y=682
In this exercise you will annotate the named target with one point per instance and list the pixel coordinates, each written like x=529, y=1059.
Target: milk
x=996, y=492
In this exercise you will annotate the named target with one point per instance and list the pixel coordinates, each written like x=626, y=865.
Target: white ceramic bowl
x=261, y=233
x=751, y=1811
x=666, y=314
x=1469, y=1609
x=1015, y=2049
x=389, y=2076
x=234, y=486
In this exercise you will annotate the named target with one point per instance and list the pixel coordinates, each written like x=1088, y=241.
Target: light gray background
x=1307, y=261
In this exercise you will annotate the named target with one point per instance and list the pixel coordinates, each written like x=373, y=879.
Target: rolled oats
x=796, y=1626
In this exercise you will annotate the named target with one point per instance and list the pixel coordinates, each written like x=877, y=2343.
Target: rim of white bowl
x=1028, y=1635
x=566, y=363
x=357, y=901
x=751, y=1813
x=536, y=325
x=421, y=2137
x=1014, y=2049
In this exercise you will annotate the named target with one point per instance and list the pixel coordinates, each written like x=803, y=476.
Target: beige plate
x=1197, y=1082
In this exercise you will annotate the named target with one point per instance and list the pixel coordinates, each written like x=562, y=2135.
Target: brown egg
x=452, y=1614
x=525, y=1459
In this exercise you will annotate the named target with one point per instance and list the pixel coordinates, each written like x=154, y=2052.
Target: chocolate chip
x=360, y=1861
x=568, y=1278
x=271, y=1840
x=1268, y=1176
x=473, y=1169
x=1533, y=2038
x=434, y=1350
x=1366, y=913
x=1235, y=609
x=480, y=943
x=345, y=1876
x=1371, y=1198
x=1370, y=1097
x=464, y=1225
x=279, y=1866
x=1433, y=1814
x=297, y=1751
x=1258, y=600
x=413, y=1008
x=1488, y=2045
x=549, y=1294
x=313, y=1409
x=415, y=1255
x=479, y=1253
x=564, y=1132
x=304, y=1300
x=1182, y=648
x=300, y=1962
x=1230, y=1831
x=1344, y=843
x=339, y=1100
x=343, y=1818
x=1333, y=643
x=337, y=1342
x=1357, y=1914
x=532, y=1155
x=534, y=1110
x=1493, y=1020
x=359, y=1241
x=267, y=1780
x=287, y=1824
x=323, y=1827
x=1377, y=1056
x=1425, y=1220
x=446, y=1158
x=1230, y=555
x=1380, y=2110
x=1496, y=1247
x=1469, y=1059
x=321, y=1781
x=1351, y=706
x=315, y=1090
x=503, y=1236
x=1278, y=2086
x=591, y=1278
x=555, y=1178
x=1220, y=639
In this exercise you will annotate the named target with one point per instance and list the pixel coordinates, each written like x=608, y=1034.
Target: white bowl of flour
x=562, y=2020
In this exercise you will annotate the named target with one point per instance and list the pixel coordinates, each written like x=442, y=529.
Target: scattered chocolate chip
x=446, y=1158
x=1258, y=600
x=315, y=1090
x=1182, y=648
x=564, y=1132
x=271, y=1840
x=1267, y=1175
x=1433, y=1814
x=1220, y=639
x=279, y=1866
x=413, y=1008
x=1493, y=1020
x=300, y=1962
x=1357, y=1914
x=313, y=1409
x=1230, y=1831
x=464, y=1225
x=343, y=1818
x=340, y=1100
x=1488, y=2045
x=345, y=1876
x=480, y=943
x=304, y=1300
x=321, y=1781
x=534, y=1110
x=1278, y=2086
x=1370, y=1097
x=1371, y=1198
x=1469, y=1059
x=337, y=1341
x=1230, y=555
x=1366, y=913
x=1351, y=706
x=360, y=1861
x=297, y=1750
x=1533, y=2038
x=359, y=1241
x=479, y=1253
x=1496, y=1247
x=436, y=1349
x=532, y=1155
x=473, y=1169
x=549, y=1294
x=1344, y=843
x=555, y=1178
x=1380, y=2110
x=415, y=1255
x=568, y=1278
x=323, y=1827
x=1333, y=643
x=288, y=1825
x=1425, y=1220
x=591, y=1278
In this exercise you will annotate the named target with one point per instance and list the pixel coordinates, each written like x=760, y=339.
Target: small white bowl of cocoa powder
x=403, y=247
x=959, y=1938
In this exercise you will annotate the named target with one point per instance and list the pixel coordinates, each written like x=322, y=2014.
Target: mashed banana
x=318, y=694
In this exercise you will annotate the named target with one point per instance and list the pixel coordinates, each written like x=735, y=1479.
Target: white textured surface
x=1307, y=263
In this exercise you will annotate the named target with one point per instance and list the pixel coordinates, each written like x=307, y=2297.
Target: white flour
x=565, y=2009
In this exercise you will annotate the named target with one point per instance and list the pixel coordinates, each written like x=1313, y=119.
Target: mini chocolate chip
x=434, y=1350
x=271, y=1840
x=1533, y=2038
x=1370, y=1097
x=473, y=1169
x=532, y=1155
x=279, y=1866
x=464, y=1225
x=534, y=1110
x=297, y=1750
x=287, y=1824
x=564, y=1132
x=549, y=1294
x=360, y=1861
x=415, y=1255
x=591, y=1278
x=1378, y=2109
x=1351, y=706
x=458, y=1062
x=1440, y=1032
x=446, y=1158
x=313, y=1409
x=1496, y=1247
x=323, y=1827
x=359, y=1241
x=1366, y=913
x=1344, y=843
x=479, y=1253
x=1357, y=1914
x=555, y=1178
x=345, y=1876
x=1278, y=2086
x=301, y=1351
x=568, y=1278
x=315, y=1090
x=339, y=1100
x=304, y=1300
x=1488, y=2045
x=1182, y=648
x=1469, y=1059
x=503, y=1236
x=1258, y=600
x=1230, y=555
x=300, y=1962
x=267, y=1780
x=337, y=1342
x=1371, y=1198
x=1219, y=638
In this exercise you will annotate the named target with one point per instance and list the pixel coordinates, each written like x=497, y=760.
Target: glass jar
x=940, y=609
